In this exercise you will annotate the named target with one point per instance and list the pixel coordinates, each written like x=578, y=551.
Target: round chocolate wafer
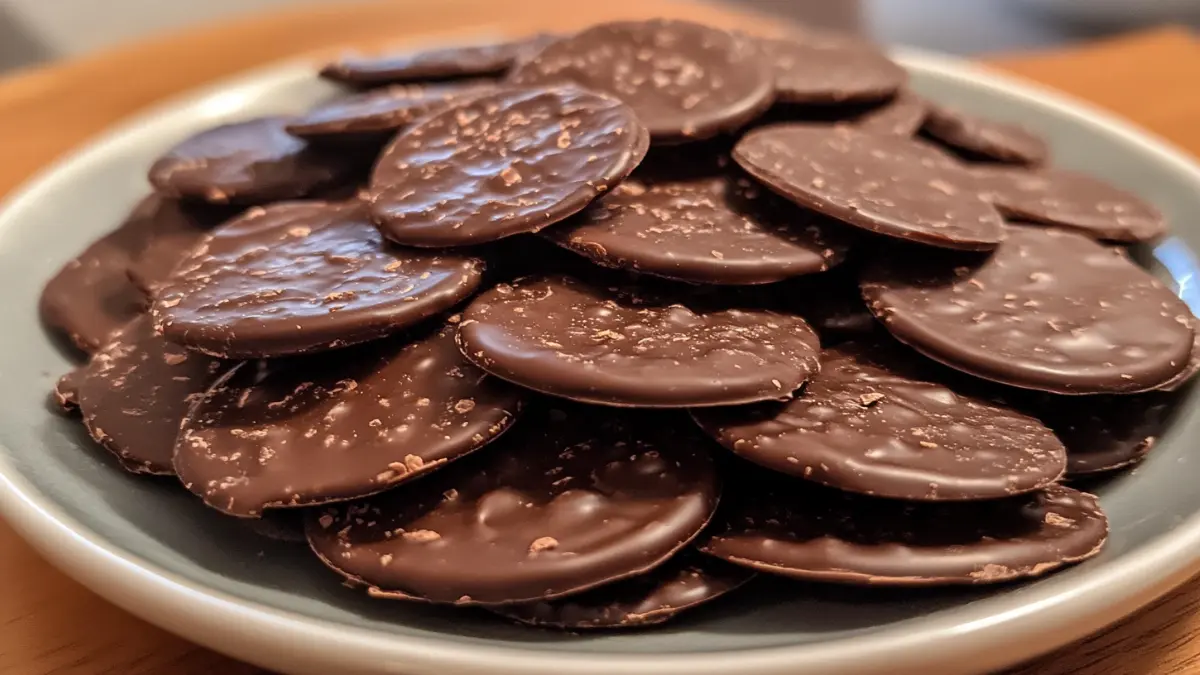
x=376, y=114
x=1049, y=309
x=622, y=347
x=883, y=184
x=1071, y=200
x=824, y=68
x=66, y=391
x=504, y=163
x=685, y=81
x=1104, y=433
x=874, y=421
x=573, y=498
x=92, y=296
x=984, y=138
x=692, y=216
x=250, y=162
x=135, y=390
x=458, y=61
x=810, y=532
x=686, y=581
x=304, y=276
x=903, y=115
x=177, y=228
x=297, y=432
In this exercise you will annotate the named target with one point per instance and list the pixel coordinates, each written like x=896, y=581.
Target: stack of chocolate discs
x=624, y=317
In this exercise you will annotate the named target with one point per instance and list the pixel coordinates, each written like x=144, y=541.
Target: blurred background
x=33, y=31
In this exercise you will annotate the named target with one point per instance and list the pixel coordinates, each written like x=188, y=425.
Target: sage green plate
x=151, y=548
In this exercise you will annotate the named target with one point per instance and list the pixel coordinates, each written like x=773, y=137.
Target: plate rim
x=988, y=634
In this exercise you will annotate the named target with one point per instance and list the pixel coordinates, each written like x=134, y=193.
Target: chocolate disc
x=573, y=498
x=245, y=163
x=716, y=226
x=91, y=296
x=433, y=64
x=177, y=228
x=338, y=426
x=806, y=531
x=500, y=164
x=686, y=581
x=1049, y=310
x=830, y=302
x=304, y=276
x=1103, y=433
x=887, y=185
x=136, y=389
x=616, y=347
x=873, y=421
x=1190, y=371
x=1071, y=200
x=684, y=80
x=826, y=68
x=375, y=114
x=901, y=116
x=985, y=138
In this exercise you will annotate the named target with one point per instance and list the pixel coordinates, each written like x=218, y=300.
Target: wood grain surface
x=51, y=625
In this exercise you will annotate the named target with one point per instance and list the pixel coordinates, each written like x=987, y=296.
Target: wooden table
x=49, y=624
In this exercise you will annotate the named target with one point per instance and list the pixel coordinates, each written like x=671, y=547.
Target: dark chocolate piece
x=980, y=137
x=92, y=296
x=500, y=164
x=620, y=347
x=685, y=81
x=1049, y=309
x=250, y=162
x=806, y=531
x=718, y=226
x=433, y=64
x=573, y=498
x=688, y=580
x=177, y=228
x=376, y=114
x=298, y=277
x=826, y=68
x=134, y=392
x=903, y=115
x=878, y=421
x=1104, y=433
x=1071, y=200
x=298, y=432
x=883, y=184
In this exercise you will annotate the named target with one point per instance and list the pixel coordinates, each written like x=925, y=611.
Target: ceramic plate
x=153, y=549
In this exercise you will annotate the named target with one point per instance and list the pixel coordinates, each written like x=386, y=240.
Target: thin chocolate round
x=902, y=116
x=980, y=137
x=504, y=163
x=177, y=228
x=92, y=296
x=1049, y=309
x=304, y=276
x=298, y=432
x=685, y=81
x=573, y=498
x=873, y=421
x=1104, y=433
x=433, y=64
x=716, y=226
x=1189, y=372
x=826, y=68
x=250, y=162
x=377, y=113
x=617, y=347
x=686, y=581
x=134, y=392
x=1071, y=200
x=806, y=531
x=887, y=185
